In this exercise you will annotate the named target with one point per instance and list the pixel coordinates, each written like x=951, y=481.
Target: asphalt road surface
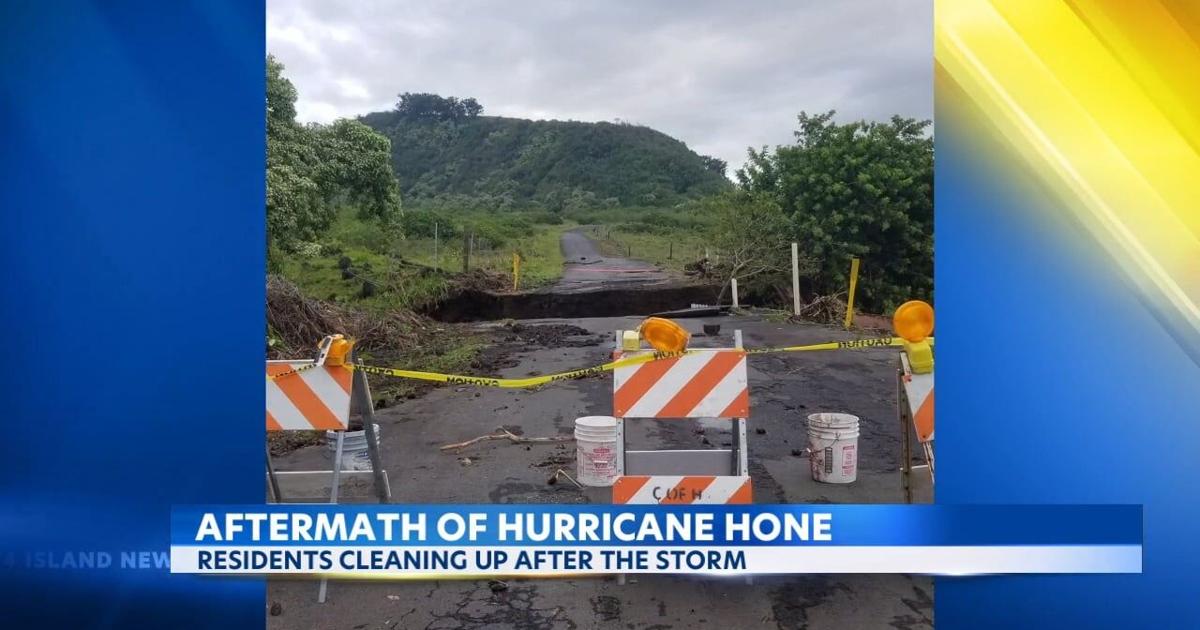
x=586, y=269
x=784, y=389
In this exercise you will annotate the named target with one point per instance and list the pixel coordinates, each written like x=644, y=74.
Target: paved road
x=586, y=269
x=784, y=388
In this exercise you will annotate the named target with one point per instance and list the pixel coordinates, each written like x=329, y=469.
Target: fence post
x=796, y=278
x=850, y=296
x=468, y=237
x=516, y=271
x=733, y=285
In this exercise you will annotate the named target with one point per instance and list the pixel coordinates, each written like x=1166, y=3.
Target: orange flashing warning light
x=339, y=350
x=913, y=320
x=664, y=335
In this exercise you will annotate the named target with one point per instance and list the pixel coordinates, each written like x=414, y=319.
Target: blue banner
x=657, y=525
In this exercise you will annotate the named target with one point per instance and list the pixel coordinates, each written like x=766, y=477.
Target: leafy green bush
x=545, y=218
x=862, y=189
x=424, y=224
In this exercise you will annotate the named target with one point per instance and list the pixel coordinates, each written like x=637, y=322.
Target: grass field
x=669, y=251
x=395, y=285
x=392, y=271
x=541, y=256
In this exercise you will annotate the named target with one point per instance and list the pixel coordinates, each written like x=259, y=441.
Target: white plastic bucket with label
x=596, y=450
x=355, y=455
x=833, y=447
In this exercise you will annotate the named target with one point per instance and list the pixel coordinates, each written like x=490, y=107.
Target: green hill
x=552, y=163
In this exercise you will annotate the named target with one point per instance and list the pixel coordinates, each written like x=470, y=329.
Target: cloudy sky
x=718, y=75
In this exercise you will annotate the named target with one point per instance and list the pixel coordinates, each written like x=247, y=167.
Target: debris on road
x=695, y=311
x=562, y=473
x=504, y=434
x=823, y=309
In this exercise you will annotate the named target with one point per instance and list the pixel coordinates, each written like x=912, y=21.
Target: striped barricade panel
x=681, y=490
x=703, y=384
x=918, y=389
x=316, y=398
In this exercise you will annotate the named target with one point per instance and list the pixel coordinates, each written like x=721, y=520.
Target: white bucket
x=596, y=450
x=833, y=447
x=354, y=448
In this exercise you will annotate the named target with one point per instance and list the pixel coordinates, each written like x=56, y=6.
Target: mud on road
x=784, y=389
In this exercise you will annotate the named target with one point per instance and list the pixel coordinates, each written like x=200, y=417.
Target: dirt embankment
x=402, y=339
x=473, y=306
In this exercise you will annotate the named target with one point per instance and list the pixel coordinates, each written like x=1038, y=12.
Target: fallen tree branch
x=504, y=434
x=562, y=473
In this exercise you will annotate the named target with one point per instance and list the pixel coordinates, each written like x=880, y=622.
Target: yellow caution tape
x=298, y=370
x=879, y=342
x=534, y=381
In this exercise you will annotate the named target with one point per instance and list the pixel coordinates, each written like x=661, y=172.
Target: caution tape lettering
x=534, y=381
x=868, y=343
x=454, y=379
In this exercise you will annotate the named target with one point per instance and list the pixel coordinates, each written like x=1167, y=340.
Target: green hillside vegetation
x=444, y=149
x=494, y=186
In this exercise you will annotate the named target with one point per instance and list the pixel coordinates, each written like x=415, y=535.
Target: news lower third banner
x=513, y=540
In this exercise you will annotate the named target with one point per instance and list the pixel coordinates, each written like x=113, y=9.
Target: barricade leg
x=276, y=495
x=362, y=392
x=333, y=497
x=741, y=439
x=905, y=438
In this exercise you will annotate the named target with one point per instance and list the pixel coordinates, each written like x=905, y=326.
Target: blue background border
x=1055, y=385
x=132, y=150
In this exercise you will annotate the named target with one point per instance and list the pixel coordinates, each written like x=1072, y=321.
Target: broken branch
x=504, y=434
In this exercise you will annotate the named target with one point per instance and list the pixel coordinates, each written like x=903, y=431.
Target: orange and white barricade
x=318, y=394
x=307, y=395
x=704, y=383
x=682, y=489
x=913, y=321
x=304, y=396
x=916, y=416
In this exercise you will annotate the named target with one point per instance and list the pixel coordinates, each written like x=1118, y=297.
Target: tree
x=750, y=236
x=471, y=107
x=426, y=107
x=716, y=165
x=862, y=189
x=294, y=204
x=310, y=169
x=281, y=96
x=357, y=163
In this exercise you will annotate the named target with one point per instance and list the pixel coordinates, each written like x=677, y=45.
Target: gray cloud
x=720, y=76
